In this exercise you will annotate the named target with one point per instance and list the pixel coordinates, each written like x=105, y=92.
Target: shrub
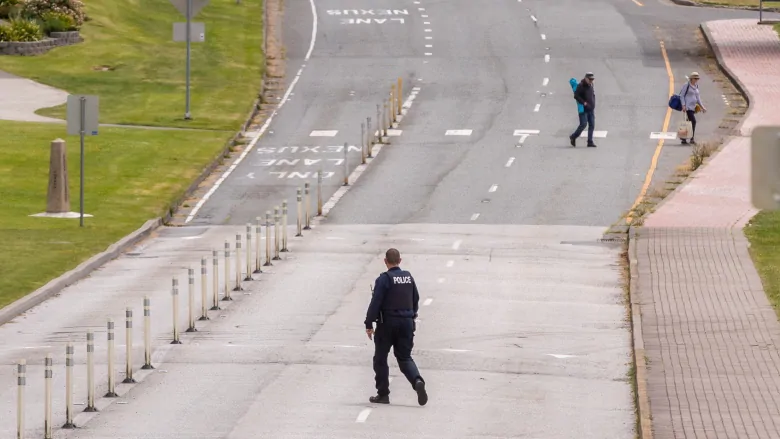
x=52, y=21
x=72, y=8
x=5, y=33
x=24, y=30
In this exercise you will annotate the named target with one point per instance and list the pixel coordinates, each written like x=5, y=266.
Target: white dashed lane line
x=474, y=217
x=509, y=162
x=427, y=301
x=545, y=81
x=440, y=280
x=363, y=415
x=493, y=188
x=537, y=107
x=456, y=245
x=450, y=263
x=547, y=58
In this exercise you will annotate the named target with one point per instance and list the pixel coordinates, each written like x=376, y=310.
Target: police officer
x=394, y=306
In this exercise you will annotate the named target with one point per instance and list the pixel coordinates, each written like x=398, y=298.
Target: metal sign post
x=82, y=116
x=188, y=32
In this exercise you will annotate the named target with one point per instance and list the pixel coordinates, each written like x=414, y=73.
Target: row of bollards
x=246, y=257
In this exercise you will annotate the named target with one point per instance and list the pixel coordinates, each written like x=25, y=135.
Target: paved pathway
x=22, y=97
x=710, y=335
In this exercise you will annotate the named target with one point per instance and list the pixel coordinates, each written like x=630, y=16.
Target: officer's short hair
x=393, y=256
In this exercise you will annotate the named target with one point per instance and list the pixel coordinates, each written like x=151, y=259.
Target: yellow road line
x=637, y=2
x=660, y=146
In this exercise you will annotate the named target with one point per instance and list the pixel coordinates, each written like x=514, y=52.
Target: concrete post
x=58, y=196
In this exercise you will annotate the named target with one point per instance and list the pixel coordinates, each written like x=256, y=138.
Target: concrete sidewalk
x=708, y=333
x=22, y=97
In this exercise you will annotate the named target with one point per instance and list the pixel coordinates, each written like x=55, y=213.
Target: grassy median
x=764, y=236
x=130, y=61
x=132, y=175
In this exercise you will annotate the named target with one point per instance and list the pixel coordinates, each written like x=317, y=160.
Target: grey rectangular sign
x=765, y=167
x=195, y=6
x=197, y=32
x=73, y=113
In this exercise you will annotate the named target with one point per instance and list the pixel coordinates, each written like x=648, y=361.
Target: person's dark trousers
x=397, y=333
x=586, y=118
x=692, y=117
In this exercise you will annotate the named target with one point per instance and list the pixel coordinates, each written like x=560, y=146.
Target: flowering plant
x=72, y=8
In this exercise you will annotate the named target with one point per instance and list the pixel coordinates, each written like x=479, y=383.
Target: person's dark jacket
x=381, y=287
x=584, y=94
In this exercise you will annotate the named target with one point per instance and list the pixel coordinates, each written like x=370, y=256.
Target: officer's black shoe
x=378, y=399
x=422, y=395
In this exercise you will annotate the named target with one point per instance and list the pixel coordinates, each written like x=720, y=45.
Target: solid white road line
x=267, y=123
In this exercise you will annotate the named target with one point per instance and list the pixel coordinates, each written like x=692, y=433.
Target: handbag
x=684, y=128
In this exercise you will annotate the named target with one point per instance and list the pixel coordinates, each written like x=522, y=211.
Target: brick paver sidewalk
x=711, y=338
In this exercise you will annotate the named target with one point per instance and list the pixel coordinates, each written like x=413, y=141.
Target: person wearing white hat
x=691, y=103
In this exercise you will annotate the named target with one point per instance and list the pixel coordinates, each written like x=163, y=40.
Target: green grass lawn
x=130, y=176
x=146, y=87
x=764, y=236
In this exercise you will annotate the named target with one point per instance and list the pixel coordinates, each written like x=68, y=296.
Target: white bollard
x=204, y=289
x=300, y=212
x=69, y=387
x=215, y=283
x=308, y=203
x=128, y=346
x=258, y=259
x=147, y=334
x=90, y=372
x=175, y=294
x=267, y=238
x=276, y=233
x=346, y=165
x=248, y=252
x=284, y=226
x=227, y=272
x=191, y=300
x=111, y=376
x=238, y=264
x=47, y=398
x=21, y=382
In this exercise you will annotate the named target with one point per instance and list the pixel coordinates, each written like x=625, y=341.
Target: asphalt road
x=521, y=331
x=489, y=74
x=359, y=52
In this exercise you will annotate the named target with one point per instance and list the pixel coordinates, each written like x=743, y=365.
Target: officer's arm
x=415, y=298
x=372, y=315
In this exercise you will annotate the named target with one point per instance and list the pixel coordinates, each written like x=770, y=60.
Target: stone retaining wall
x=57, y=39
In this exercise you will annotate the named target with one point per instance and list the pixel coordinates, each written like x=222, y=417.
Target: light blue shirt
x=689, y=96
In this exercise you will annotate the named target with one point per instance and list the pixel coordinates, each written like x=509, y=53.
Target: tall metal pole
x=82, y=133
x=189, y=19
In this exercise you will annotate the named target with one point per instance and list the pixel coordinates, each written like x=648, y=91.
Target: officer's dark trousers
x=397, y=333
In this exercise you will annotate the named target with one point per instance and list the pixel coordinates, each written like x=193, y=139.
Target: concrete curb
x=645, y=414
x=15, y=309
x=729, y=74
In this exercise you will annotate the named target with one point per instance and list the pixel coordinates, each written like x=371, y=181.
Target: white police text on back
x=402, y=280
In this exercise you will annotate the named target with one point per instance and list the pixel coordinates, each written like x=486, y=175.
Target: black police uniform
x=394, y=305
